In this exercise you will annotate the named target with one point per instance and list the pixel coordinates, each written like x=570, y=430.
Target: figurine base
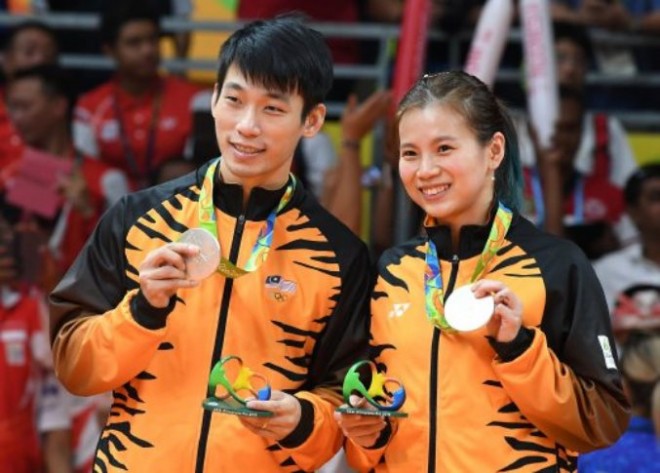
x=233, y=407
x=370, y=412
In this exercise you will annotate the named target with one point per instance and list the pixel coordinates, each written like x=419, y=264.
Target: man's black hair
x=55, y=81
x=578, y=34
x=281, y=54
x=635, y=182
x=29, y=25
x=119, y=12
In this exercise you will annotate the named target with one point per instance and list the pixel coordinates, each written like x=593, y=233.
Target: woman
x=639, y=448
x=539, y=381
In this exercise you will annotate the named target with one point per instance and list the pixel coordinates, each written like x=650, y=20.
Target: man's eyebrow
x=273, y=94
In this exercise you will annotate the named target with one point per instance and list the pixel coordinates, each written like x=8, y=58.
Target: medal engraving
x=206, y=262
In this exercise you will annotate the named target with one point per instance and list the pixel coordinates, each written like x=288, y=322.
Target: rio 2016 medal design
x=385, y=394
x=206, y=262
x=231, y=384
x=464, y=312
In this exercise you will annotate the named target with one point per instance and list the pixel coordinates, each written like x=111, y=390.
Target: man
x=138, y=119
x=40, y=106
x=29, y=44
x=631, y=276
x=127, y=316
x=23, y=352
x=593, y=144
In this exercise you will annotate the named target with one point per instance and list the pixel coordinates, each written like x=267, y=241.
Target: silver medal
x=206, y=262
x=464, y=312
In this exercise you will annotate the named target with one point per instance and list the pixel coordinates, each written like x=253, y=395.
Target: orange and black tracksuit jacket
x=476, y=405
x=300, y=319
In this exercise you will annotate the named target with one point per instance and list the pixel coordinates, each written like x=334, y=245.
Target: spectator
x=342, y=191
x=28, y=44
x=561, y=196
x=70, y=428
x=631, y=276
x=138, y=119
x=626, y=16
x=344, y=50
x=600, y=149
x=24, y=351
x=40, y=107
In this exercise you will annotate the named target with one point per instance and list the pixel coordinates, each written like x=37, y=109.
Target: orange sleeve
x=581, y=414
x=97, y=353
x=364, y=460
x=324, y=440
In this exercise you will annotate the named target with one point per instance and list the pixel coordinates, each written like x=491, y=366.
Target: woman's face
x=443, y=167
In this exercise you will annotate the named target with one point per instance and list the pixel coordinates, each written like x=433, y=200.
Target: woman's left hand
x=507, y=315
x=286, y=416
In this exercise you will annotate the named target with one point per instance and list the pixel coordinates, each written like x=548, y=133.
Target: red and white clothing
x=105, y=187
x=631, y=284
x=11, y=144
x=344, y=51
x=70, y=229
x=61, y=410
x=135, y=134
x=603, y=162
x=24, y=350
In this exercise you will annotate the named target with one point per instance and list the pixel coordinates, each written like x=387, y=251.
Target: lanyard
x=578, y=199
x=433, y=288
x=261, y=248
x=151, y=138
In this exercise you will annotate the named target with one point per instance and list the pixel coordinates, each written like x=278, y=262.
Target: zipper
x=433, y=385
x=219, y=339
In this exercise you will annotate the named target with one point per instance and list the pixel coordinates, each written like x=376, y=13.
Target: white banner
x=489, y=40
x=540, y=70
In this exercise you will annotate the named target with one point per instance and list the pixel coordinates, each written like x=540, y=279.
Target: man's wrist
x=351, y=144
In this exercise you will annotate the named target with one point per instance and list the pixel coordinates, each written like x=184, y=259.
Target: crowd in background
x=97, y=136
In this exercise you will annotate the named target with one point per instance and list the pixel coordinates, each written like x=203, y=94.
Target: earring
x=492, y=177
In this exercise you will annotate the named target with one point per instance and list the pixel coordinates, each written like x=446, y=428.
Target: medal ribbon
x=433, y=289
x=261, y=248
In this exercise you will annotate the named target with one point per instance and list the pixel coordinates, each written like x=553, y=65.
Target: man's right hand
x=163, y=273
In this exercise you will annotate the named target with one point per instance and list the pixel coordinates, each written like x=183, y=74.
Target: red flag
x=411, y=52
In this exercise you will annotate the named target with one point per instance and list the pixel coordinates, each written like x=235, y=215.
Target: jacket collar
x=228, y=198
x=472, y=238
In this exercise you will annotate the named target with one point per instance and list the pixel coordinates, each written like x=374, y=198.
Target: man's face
x=30, y=47
x=258, y=129
x=571, y=64
x=568, y=130
x=136, y=50
x=646, y=214
x=34, y=114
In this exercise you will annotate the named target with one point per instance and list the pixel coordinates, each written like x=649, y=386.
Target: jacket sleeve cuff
x=509, y=351
x=148, y=316
x=304, y=428
x=384, y=437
